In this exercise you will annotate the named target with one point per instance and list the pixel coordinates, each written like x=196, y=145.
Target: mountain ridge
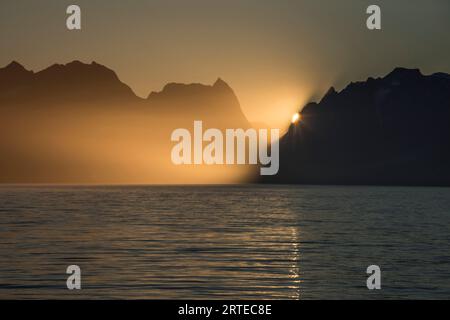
x=392, y=130
x=77, y=68
x=78, y=123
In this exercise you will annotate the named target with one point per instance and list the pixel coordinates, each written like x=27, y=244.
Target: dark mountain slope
x=387, y=131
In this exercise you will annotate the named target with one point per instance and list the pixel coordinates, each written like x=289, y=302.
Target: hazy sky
x=276, y=55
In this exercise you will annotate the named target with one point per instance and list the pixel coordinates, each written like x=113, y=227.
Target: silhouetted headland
x=386, y=131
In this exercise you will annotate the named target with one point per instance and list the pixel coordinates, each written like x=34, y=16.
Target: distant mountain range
x=393, y=130
x=94, y=84
x=78, y=123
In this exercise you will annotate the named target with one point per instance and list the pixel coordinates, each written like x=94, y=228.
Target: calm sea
x=249, y=241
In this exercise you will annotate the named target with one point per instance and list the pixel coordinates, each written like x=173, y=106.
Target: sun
x=296, y=117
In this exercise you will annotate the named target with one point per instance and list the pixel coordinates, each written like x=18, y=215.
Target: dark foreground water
x=286, y=242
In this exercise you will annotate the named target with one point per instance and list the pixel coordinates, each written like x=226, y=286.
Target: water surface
x=249, y=241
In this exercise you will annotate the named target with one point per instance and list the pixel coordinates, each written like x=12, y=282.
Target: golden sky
x=276, y=55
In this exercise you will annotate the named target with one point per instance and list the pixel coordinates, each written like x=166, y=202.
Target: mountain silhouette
x=202, y=102
x=74, y=81
x=78, y=123
x=393, y=130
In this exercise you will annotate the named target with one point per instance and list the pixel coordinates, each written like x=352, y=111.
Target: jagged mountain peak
x=330, y=93
x=14, y=67
x=402, y=73
x=77, y=67
x=14, y=74
x=77, y=79
x=189, y=88
x=220, y=83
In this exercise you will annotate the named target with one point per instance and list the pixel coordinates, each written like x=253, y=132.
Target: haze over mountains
x=78, y=123
x=393, y=130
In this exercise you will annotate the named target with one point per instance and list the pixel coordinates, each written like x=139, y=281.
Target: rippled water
x=286, y=242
